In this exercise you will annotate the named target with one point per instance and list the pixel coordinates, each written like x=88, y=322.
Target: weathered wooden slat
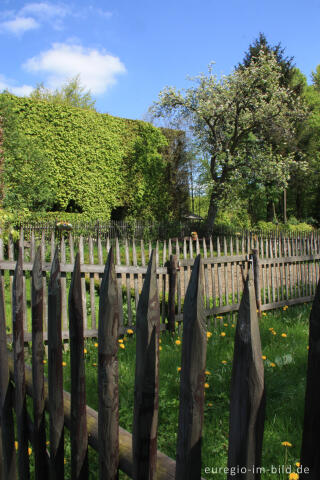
x=71, y=247
x=128, y=286
x=206, y=277
x=135, y=275
x=185, y=268
x=191, y=248
x=83, y=284
x=78, y=427
x=163, y=286
x=213, y=282
x=219, y=273
x=172, y=292
x=92, y=289
x=192, y=379
x=24, y=301
x=310, y=448
x=226, y=279
x=52, y=250
x=178, y=279
x=8, y=453
x=39, y=421
x=108, y=420
x=64, y=302
x=19, y=370
x=145, y=416
x=55, y=375
x=247, y=398
x=119, y=284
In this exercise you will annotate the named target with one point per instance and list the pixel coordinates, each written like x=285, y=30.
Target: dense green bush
x=81, y=161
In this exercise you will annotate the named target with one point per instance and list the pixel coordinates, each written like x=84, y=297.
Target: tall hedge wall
x=90, y=162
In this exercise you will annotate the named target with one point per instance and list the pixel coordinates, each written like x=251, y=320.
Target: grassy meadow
x=284, y=339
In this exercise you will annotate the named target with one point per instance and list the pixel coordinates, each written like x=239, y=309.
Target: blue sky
x=127, y=51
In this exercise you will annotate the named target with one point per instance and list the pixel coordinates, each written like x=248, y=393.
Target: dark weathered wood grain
x=247, y=397
x=172, y=292
x=8, y=469
x=108, y=420
x=55, y=375
x=145, y=417
x=19, y=375
x=78, y=428
x=192, y=379
x=39, y=425
x=310, y=448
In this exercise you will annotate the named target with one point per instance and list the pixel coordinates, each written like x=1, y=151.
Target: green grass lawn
x=284, y=338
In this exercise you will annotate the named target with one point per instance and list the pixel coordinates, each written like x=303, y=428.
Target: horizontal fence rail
x=287, y=272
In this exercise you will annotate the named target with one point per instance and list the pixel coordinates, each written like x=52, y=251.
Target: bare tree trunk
x=212, y=212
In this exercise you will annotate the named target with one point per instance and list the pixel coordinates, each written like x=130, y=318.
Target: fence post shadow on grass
x=247, y=397
x=310, y=448
x=192, y=379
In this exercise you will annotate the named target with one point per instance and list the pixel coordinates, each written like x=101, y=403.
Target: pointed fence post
x=39, y=422
x=19, y=370
x=256, y=276
x=247, y=398
x=6, y=401
x=55, y=375
x=310, y=449
x=108, y=417
x=192, y=379
x=78, y=427
x=145, y=416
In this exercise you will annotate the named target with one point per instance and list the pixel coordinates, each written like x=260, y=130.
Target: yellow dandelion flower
x=219, y=318
x=178, y=342
x=177, y=324
x=94, y=364
x=125, y=338
x=207, y=372
x=130, y=331
x=283, y=335
x=233, y=325
x=264, y=314
x=121, y=345
x=210, y=404
x=308, y=347
x=64, y=364
x=44, y=361
x=271, y=329
x=96, y=345
x=264, y=357
x=29, y=450
x=293, y=476
x=225, y=324
x=273, y=332
x=159, y=340
x=223, y=334
x=16, y=445
x=206, y=385
x=179, y=369
x=224, y=362
x=286, y=444
x=120, y=340
x=272, y=364
x=85, y=350
x=298, y=464
x=160, y=348
x=64, y=460
x=47, y=442
x=209, y=334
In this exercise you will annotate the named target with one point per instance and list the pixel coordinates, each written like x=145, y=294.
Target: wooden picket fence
x=286, y=273
x=134, y=454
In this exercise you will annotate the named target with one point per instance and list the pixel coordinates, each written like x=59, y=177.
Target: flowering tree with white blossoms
x=233, y=120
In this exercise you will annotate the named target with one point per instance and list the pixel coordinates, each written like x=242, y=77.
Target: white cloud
x=98, y=70
x=44, y=10
x=19, y=25
x=22, y=91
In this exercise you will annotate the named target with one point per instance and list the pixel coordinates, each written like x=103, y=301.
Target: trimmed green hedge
x=93, y=163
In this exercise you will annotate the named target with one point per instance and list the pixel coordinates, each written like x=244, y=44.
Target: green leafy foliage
x=62, y=158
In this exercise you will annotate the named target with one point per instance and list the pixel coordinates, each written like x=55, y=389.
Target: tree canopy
x=232, y=117
x=71, y=93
